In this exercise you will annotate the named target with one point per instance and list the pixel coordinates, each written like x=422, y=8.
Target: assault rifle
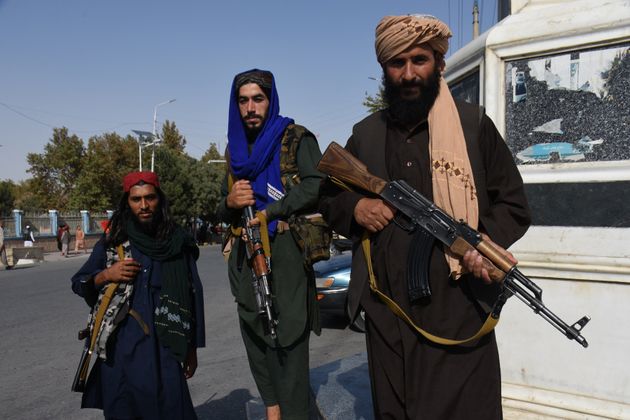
x=261, y=272
x=90, y=337
x=458, y=236
x=78, y=384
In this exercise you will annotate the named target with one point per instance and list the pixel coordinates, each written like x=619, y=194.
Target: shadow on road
x=335, y=322
x=230, y=407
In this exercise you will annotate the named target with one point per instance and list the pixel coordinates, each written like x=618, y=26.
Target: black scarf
x=173, y=317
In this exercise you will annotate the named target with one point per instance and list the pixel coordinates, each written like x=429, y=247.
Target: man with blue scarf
x=255, y=135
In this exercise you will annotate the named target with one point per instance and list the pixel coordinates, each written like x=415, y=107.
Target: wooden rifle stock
x=339, y=163
x=90, y=336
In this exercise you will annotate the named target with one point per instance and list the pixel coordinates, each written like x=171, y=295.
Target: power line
x=28, y=117
x=25, y=116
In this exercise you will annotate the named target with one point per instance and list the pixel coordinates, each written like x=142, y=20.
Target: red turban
x=134, y=178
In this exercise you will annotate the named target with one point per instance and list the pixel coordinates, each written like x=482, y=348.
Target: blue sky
x=102, y=66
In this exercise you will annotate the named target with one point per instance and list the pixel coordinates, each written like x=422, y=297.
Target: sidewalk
x=56, y=256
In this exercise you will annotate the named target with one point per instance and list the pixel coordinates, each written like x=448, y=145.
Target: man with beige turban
x=451, y=152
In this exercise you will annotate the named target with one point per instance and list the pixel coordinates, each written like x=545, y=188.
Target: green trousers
x=281, y=373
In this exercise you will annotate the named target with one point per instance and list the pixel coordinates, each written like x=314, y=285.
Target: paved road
x=39, y=352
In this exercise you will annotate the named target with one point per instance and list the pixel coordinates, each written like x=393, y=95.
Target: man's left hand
x=190, y=364
x=473, y=262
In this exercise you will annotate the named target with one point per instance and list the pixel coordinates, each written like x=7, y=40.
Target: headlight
x=324, y=282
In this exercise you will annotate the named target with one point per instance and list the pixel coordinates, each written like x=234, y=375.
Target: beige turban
x=395, y=34
x=451, y=172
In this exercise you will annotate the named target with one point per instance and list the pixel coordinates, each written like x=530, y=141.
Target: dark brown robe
x=411, y=377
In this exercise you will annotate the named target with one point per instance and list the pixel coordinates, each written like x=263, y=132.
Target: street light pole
x=144, y=138
x=140, y=155
x=155, y=136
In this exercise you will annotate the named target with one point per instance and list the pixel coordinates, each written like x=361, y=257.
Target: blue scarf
x=262, y=166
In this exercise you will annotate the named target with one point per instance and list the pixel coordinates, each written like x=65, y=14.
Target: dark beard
x=410, y=112
x=252, y=133
x=149, y=228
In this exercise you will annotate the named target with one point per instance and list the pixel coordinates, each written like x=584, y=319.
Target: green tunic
x=293, y=285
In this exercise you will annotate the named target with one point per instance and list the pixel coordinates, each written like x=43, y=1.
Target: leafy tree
x=192, y=186
x=176, y=179
x=108, y=158
x=209, y=192
x=55, y=171
x=25, y=199
x=212, y=153
x=376, y=102
x=172, y=138
x=7, y=197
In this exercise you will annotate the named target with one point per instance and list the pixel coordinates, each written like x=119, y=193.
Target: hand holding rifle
x=482, y=256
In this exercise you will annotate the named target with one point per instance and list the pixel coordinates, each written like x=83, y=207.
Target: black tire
x=358, y=324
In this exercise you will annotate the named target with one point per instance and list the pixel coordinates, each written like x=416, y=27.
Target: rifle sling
x=102, y=308
x=488, y=325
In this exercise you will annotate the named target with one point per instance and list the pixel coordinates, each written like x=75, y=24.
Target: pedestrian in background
x=29, y=238
x=79, y=240
x=3, y=252
x=65, y=240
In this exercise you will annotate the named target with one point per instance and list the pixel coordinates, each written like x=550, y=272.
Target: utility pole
x=475, y=20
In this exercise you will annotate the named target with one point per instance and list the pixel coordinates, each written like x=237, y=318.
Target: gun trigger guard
x=401, y=221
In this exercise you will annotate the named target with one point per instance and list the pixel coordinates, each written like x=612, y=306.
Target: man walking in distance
x=79, y=240
x=65, y=240
x=3, y=252
x=255, y=132
x=450, y=152
x=156, y=314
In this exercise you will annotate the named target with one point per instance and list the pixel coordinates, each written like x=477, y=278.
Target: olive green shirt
x=292, y=283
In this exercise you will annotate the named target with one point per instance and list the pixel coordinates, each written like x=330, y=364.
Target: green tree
x=209, y=189
x=55, y=171
x=192, y=186
x=212, y=153
x=375, y=103
x=171, y=137
x=109, y=157
x=176, y=180
x=26, y=199
x=7, y=197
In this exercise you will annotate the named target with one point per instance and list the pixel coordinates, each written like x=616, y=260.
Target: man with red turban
x=148, y=339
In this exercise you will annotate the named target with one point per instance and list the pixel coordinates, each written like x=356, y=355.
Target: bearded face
x=410, y=110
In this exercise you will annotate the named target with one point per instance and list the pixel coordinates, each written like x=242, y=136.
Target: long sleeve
x=302, y=196
x=337, y=206
x=225, y=214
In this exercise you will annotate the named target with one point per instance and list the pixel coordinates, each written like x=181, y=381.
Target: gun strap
x=264, y=233
x=102, y=308
x=487, y=326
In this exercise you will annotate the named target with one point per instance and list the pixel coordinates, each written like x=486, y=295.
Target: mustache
x=412, y=83
x=252, y=116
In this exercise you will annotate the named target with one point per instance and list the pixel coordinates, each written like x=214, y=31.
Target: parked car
x=332, y=278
